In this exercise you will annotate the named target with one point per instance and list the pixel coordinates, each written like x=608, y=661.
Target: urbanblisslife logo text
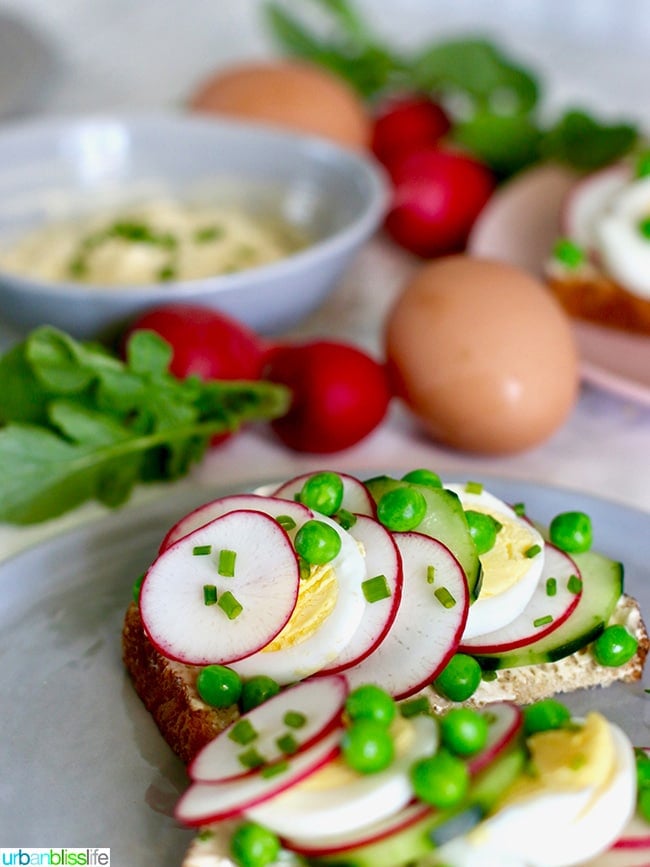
x=56, y=857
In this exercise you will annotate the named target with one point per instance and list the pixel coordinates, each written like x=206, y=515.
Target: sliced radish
x=382, y=559
x=272, y=506
x=374, y=832
x=329, y=808
x=356, y=498
x=636, y=835
x=319, y=703
x=203, y=803
x=313, y=639
x=534, y=622
x=429, y=622
x=589, y=198
x=265, y=584
x=506, y=722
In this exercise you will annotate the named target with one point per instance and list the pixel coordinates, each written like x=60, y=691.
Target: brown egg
x=482, y=354
x=290, y=94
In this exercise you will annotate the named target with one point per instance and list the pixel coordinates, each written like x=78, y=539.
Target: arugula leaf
x=506, y=142
x=82, y=424
x=585, y=144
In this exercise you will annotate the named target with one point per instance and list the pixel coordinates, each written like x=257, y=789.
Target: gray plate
x=83, y=764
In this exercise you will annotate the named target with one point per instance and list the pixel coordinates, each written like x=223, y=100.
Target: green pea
x=544, y=715
x=219, y=686
x=615, y=646
x=483, y=529
x=426, y=478
x=642, y=768
x=323, y=492
x=441, y=780
x=256, y=691
x=571, y=531
x=401, y=509
x=252, y=845
x=459, y=679
x=643, y=804
x=371, y=702
x=317, y=542
x=367, y=746
x=464, y=731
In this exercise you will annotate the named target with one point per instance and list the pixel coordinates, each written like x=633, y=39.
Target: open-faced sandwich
x=600, y=267
x=437, y=596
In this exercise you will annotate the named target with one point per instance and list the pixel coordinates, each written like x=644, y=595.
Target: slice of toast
x=168, y=689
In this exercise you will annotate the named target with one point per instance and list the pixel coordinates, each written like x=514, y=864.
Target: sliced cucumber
x=437, y=827
x=602, y=585
x=445, y=521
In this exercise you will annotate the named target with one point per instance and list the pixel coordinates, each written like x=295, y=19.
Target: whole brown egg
x=290, y=94
x=482, y=354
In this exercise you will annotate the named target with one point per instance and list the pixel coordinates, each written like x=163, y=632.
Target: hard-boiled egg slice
x=328, y=611
x=554, y=824
x=336, y=800
x=511, y=568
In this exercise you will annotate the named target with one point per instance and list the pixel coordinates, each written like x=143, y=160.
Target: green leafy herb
x=80, y=424
x=492, y=98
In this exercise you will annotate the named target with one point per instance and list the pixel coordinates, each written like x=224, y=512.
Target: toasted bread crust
x=168, y=689
x=597, y=298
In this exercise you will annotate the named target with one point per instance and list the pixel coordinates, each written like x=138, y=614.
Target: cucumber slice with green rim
x=602, y=586
x=444, y=520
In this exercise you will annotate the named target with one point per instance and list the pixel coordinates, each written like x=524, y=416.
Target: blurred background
x=80, y=55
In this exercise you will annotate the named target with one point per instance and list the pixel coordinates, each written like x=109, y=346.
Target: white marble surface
x=118, y=54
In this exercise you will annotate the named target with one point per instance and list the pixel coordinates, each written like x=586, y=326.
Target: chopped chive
x=208, y=233
x=168, y=272
x=346, y=519
x=294, y=719
x=286, y=522
x=519, y=509
x=287, y=744
x=568, y=253
x=574, y=584
x=444, y=597
x=209, y=594
x=137, y=584
x=543, y=621
x=305, y=568
x=414, y=707
x=431, y=574
x=274, y=769
x=375, y=589
x=243, y=732
x=251, y=759
x=577, y=762
x=205, y=834
x=226, y=564
x=551, y=586
x=644, y=227
x=489, y=675
x=229, y=605
x=533, y=551
x=201, y=550
x=474, y=488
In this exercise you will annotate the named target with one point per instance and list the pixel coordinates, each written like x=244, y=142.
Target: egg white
x=491, y=612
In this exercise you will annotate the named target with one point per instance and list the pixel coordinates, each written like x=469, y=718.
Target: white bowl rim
x=344, y=238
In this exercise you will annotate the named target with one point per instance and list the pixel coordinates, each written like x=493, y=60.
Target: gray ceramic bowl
x=54, y=168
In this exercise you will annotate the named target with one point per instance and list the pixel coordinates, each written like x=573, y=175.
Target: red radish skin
x=507, y=721
x=205, y=343
x=340, y=395
x=356, y=498
x=425, y=634
x=406, y=123
x=273, y=506
x=382, y=558
x=175, y=617
x=203, y=803
x=321, y=704
x=437, y=196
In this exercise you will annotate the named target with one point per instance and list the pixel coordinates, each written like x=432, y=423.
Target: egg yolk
x=506, y=562
x=568, y=758
x=317, y=597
